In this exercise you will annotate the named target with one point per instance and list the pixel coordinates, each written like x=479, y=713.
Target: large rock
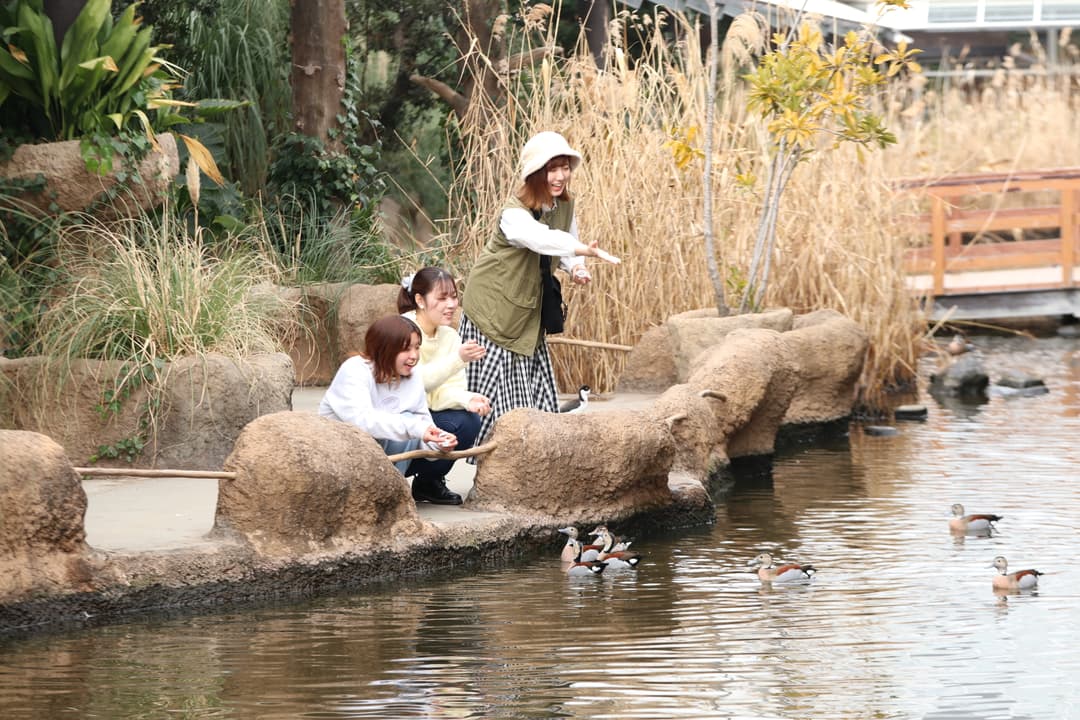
x=700, y=444
x=306, y=484
x=70, y=187
x=209, y=401
x=575, y=467
x=42, y=505
x=962, y=377
x=311, y=344
x=206, y=403
x=666, y=355
x=357, y=307
x=829, y=351
x=756, y=376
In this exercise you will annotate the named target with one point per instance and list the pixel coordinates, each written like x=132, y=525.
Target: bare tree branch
x=516, y=62
x=457, y=101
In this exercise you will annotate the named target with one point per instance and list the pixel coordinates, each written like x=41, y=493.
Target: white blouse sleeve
x=523, y=230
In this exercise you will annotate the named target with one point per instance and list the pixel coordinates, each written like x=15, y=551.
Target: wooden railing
x=948, y=220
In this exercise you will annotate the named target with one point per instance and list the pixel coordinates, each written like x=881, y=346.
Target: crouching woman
x=378, y=392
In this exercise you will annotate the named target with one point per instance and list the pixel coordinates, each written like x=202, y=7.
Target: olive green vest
x=502, y=294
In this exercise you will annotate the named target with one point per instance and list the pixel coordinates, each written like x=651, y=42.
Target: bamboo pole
x=589, y=343
x=154, y=473
x=224, y=475
x=412, y=454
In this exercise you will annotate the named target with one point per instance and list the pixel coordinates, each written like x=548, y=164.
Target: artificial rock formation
x=306, y=484
x=829, y=351
x=206, y=403
x=42, y=540
x=666, y=355
x=357, y=307
x=605, y=464
x=70, y=187
x=334, y=318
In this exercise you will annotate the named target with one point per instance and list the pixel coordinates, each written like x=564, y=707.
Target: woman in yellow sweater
x=430, y=298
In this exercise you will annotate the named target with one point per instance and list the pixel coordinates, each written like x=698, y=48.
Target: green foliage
x=103, y=79
x=312, y=249
x=128, y=449
x=27, y=238
x=324, y=196
x=233, y=50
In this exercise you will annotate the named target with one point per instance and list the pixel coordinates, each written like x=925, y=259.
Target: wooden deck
x=987, y=261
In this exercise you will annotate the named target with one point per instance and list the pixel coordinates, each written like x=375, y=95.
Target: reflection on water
x=900, y=621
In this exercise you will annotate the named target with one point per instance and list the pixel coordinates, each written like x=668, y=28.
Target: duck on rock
x=975, y=523
x=789, y=572
x=1019, y=580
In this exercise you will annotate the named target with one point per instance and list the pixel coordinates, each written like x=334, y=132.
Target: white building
x=980, y=29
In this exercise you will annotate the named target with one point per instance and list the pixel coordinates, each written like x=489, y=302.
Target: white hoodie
x=386, y=411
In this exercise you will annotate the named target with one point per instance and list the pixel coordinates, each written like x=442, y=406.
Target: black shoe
x=434, y=491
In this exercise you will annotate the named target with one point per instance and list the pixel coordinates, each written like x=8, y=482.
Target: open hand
x=603, y=255
x=479, y=405
x=471, y=350
x=441, y=439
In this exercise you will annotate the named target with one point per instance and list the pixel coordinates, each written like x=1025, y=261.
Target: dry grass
x=842, y=229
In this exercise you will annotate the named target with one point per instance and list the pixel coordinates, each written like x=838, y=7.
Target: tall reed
x=842, y=230
x=143, y=292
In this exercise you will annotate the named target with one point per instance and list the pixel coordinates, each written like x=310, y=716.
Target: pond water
x=899, y=622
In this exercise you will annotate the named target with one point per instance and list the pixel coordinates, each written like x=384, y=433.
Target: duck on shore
x=579, y=403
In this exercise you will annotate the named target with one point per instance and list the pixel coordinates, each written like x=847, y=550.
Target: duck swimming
x=569, y=552
x=617, y=559
x=976, y=523
x=579, y=567
x=1019, y=580
x=959, y=345
x=785, y=573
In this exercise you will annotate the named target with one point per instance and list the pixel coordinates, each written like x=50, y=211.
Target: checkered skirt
x=507, y=379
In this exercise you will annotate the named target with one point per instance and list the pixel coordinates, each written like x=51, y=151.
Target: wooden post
x=1068, y=233
x=937, y=236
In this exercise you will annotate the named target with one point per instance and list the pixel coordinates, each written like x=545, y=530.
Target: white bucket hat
x=542, y=147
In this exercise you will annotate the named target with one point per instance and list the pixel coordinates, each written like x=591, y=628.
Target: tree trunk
x=318, y=67
x=596, y=15
x=62, y=14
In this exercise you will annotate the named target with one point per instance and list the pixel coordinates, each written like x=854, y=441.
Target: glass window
x=1004, y=10
x=952, y=11
x=1060, y=10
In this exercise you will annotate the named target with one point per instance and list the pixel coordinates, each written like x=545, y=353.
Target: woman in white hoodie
x=379, y=392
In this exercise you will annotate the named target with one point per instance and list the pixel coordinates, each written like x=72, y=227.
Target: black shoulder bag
x=552, y=309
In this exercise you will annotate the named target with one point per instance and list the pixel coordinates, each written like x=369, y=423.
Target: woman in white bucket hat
x=512, y=300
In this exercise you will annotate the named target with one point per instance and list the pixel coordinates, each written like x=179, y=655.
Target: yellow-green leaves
x=900, y=59
x=810, y=91
x=682, y=147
